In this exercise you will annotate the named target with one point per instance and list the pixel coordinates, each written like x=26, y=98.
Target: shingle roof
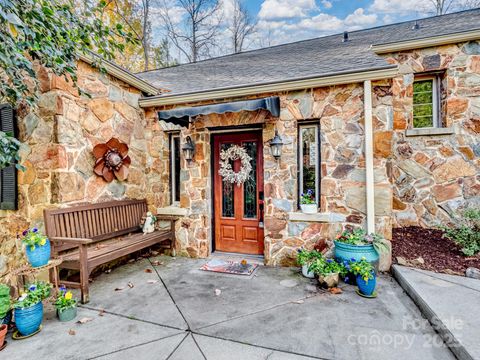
x=315, y=57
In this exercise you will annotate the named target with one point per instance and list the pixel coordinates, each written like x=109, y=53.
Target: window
x=309, y=159
x=426, y=110
x=175, y=168
x=8, y=175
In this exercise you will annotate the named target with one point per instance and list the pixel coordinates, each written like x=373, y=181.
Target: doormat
x=229, y=267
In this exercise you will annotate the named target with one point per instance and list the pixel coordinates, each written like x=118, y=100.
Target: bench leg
x=84, y=274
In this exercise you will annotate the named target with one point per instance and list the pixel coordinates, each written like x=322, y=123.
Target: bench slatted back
x=95, y=221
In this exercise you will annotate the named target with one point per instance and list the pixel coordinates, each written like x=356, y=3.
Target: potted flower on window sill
x=328, y=271
x=308, y=204
x=357, y=244
x=305, y=258
x=28, y=309
x=366, y=278
x=37, y=247
x=66, y=305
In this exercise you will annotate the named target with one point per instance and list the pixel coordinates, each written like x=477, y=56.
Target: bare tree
x=441, y=7
x=241, y=26
x=195, y=35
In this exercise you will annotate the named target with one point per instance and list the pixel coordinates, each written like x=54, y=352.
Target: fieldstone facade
x=419, y=180
x=434, y=177
x=58, y=138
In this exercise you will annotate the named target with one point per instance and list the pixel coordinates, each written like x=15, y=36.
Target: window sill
x=429, y=132
x=172, y=210
x=318, y=217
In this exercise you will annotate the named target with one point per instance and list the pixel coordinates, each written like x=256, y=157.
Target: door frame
x=225, y=130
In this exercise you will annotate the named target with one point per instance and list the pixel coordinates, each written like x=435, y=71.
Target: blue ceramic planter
x=28, y=320
x=366, y=287
x=346, y=252
x=40, y=255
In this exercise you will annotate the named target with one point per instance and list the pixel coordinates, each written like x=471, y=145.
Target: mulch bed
x=439, y=254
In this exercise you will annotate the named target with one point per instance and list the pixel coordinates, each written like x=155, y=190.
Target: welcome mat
x=229, y=267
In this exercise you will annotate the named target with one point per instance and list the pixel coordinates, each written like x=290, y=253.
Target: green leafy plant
x=466, y=233
x=307, y=198
x=34, y=293
x=9, y=147
x=5, y=300
x=322, y=266
x=360, y=237
x=362, y=268
x=65, y=300
x=305, y=257
x=32, y=238
x=51, y=33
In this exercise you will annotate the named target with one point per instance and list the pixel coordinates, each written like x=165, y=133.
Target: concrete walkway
x=451, y=303
x=173, y=312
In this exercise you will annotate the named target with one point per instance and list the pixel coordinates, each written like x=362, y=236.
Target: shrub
x=5, y=301
x=322, y=266
x=305, y=257
x=35, y=293
x=466, y=233
x=360, y=237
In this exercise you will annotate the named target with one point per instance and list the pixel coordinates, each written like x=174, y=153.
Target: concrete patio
x=173, y=312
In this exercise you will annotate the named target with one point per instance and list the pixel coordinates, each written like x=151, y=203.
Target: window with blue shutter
x=8, y=176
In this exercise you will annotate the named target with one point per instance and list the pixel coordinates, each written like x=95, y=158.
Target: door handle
x=261, y=205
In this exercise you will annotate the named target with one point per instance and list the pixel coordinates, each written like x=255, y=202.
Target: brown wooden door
x=238, y=210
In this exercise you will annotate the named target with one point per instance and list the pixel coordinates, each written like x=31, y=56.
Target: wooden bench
x=79, y=236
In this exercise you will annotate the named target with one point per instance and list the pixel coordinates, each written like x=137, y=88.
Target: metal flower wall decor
x=111, y=160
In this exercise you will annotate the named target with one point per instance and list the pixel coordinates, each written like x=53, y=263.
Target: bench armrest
x=78, y=241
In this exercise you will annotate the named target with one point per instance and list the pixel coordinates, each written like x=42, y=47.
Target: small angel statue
x=149, y=225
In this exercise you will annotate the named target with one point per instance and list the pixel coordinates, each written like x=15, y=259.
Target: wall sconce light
x=188, y=149
x=276, y=146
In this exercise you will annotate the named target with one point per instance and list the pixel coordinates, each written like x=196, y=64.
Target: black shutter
x=8, y=176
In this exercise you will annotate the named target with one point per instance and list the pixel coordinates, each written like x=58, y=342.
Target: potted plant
x=308, y=204
x=328, y=271
x=66, y=305
x=37, y=247
x=28, y=309
x=357, y=244
x=305, y=259
x=366, y=278
x=5, y=305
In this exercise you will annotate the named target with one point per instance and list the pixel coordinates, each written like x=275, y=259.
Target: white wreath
x=233, y=153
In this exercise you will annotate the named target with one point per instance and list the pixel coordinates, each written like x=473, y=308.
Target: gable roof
x=314, y=58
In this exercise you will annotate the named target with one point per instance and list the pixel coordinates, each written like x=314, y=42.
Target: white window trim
x=173, y=188
x=317, y=162
x=435, y=100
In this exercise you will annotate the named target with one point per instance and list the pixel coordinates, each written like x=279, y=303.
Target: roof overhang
x=119, y=73
x=181, y=116
x=427, y=42
x=264, y=88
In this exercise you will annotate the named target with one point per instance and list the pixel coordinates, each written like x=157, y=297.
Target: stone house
x=382, y=125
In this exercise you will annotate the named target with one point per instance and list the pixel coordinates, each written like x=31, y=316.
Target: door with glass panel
x=238, y=207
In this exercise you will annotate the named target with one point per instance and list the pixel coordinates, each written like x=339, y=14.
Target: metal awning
x=181, y=116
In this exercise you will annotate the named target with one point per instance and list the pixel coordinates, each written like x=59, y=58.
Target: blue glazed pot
x=40, y=255
x=346, y=252
x=366, y=287
x=28, y=320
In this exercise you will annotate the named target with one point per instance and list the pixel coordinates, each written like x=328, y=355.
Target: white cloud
x=322, y=22
x=327, y=4
x=286, y=9
x=359, y=18
x=399, y=6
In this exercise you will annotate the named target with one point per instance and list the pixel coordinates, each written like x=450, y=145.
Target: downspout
x=370, y=179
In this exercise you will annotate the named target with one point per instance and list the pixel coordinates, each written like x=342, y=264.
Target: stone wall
x=434, y=177
x=339, y=111
x=58, y=137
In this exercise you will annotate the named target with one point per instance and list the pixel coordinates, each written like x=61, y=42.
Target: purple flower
x=353, y=259
x=329, y=261
x=346, y=279
x=35, y=230
x=32, y=287
x=25, y=232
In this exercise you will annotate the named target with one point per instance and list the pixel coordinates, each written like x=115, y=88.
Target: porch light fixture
x=188, y=149
x=276, y=146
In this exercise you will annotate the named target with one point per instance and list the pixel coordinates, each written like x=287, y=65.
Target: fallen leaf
x=130, y=285
x=148, y=270
x=152, y=281
x=71, y=332
x=84, y=320
x=101, y=312
x=157, y=263
x=120, y=288
x=335, y=290
x=131, y=260
x=218, y=292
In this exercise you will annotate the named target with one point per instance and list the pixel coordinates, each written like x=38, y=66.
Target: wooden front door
x=238, y=210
